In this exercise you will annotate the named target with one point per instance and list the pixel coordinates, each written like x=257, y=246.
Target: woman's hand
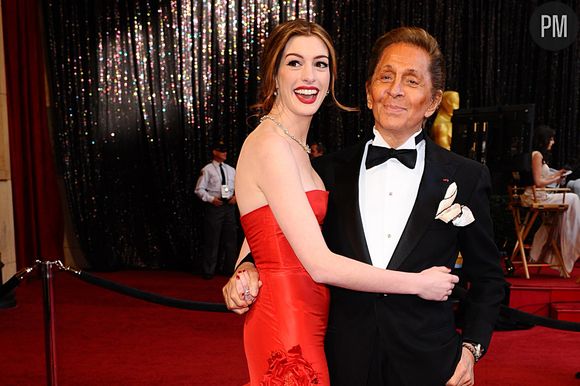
x=242, y=289
x=558, y=177
x=436, y=283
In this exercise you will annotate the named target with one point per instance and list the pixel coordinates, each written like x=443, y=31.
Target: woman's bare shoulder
x=265, y=142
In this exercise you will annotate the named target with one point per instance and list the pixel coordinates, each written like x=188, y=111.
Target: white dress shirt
x=210, y=181
x=387, y=194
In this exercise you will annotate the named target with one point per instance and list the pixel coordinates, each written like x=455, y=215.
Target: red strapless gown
x=284, y=329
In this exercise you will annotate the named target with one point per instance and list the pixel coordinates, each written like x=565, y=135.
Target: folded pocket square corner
x=459, y=215
x=464, y=218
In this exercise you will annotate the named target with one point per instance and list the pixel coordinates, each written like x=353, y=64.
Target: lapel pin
x=446, y=180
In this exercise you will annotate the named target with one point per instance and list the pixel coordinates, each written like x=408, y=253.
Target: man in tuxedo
x=401, y=202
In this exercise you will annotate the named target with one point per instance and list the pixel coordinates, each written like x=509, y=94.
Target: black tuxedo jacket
x=417, y=338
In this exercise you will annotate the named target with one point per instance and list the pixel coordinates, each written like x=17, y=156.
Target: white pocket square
x=459, y=215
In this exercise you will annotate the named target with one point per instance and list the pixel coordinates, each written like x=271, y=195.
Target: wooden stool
x=525, y=211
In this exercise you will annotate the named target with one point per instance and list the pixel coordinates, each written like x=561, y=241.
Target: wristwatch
x=475, y=349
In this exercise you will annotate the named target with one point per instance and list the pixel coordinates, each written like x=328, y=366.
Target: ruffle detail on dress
x=289, y=369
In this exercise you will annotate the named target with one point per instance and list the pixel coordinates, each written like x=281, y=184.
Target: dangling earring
x=327, y=92
x=276, y=92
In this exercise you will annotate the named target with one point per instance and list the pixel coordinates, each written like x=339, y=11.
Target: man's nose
x=396, y=88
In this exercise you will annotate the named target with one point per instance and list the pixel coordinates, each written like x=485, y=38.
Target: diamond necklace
x=285, y=130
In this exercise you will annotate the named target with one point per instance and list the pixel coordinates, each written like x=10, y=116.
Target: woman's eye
x=321, y=64
x=294, y=63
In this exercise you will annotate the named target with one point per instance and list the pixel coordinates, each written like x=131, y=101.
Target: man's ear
x=434, y=105
x=369, y=99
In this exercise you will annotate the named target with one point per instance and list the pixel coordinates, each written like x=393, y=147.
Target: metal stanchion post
x=49, y=343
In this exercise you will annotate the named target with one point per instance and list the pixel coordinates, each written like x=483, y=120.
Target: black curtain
x=490, y=55
x=141, y=88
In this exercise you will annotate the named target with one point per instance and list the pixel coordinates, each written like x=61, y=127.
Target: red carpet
x=104, y=338
x=547, y=294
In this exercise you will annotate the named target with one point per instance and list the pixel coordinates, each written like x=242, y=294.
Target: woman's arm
x=539, y=180
x=243, y=251
x=278, y=177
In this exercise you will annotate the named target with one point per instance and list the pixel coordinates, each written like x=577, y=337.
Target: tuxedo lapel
x=436, y=178
x=347, y=197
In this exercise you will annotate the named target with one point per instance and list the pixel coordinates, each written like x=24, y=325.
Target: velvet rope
x=512, y=314
x=14, y=281
x=149, y=296
x=517, y=316
x=535, y=320
x=9, y=286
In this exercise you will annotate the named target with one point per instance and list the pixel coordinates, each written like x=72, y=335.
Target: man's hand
x=242, y=289
x=463, y=375
x=232, y=201
x=217, y=202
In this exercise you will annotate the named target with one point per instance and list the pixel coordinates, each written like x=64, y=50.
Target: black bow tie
x=377, y=155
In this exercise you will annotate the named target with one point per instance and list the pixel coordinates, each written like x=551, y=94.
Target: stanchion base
x=8, y=300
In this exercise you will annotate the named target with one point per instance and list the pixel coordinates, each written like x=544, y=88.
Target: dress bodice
x=269, y=246
x=545, y=170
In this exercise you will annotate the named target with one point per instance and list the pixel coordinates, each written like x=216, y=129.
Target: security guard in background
x=215, y=187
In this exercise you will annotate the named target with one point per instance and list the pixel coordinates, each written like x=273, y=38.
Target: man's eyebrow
x=411, y=71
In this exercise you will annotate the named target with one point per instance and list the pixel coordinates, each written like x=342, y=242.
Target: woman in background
x=569, y=227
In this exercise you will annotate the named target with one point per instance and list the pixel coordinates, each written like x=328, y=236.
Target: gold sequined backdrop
x=141, y=88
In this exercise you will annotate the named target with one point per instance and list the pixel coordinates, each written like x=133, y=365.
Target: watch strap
x=475, y=349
